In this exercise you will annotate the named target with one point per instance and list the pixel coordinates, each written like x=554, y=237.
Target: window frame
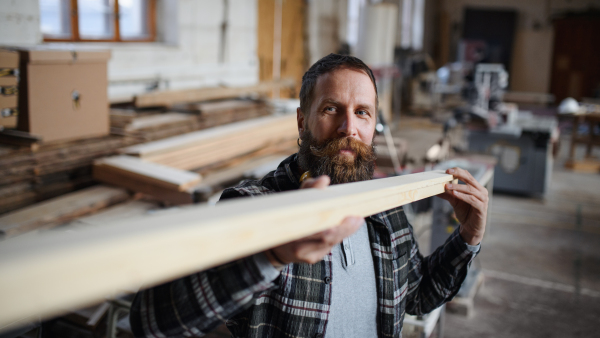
x=75, y=37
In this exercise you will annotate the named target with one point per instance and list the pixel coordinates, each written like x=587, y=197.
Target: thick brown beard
x=323, y=158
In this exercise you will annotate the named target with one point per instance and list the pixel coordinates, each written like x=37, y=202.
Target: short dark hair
x=325, y=65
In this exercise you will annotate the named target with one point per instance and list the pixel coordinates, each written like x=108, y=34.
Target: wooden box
x=63, y=94
x=9, y=71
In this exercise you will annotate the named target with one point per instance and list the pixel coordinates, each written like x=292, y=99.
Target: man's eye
x=362, y=112
x=330, y=109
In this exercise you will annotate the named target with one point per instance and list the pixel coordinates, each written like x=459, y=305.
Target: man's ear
x=300, y=120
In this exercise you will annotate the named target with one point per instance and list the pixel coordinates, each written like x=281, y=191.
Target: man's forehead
x=342, y=84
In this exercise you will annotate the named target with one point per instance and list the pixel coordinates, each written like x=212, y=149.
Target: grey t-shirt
x=353, y=310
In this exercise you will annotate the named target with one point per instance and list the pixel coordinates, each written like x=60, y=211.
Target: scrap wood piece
x=168, y=98
x=20, y=138
x=129, y=209
x=181, y=142
x=169, y=195
x=219, y=179
x=159, y=120
x=60, y=209
x=45, y=274
x=146, y=172
x=588, y=165
x=226, y=106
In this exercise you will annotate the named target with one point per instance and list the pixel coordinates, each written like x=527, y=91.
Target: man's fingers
x=320, y=244
x=320, y=182
x=312, y=248
x=471, y=200
x=464, y=176
x=467, y=189
x=448, y=197
x=348, y=226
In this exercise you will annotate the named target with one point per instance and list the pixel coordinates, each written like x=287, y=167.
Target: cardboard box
x=63, y=94
x=9, y=59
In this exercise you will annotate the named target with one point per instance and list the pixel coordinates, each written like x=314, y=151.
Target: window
x=98, y=20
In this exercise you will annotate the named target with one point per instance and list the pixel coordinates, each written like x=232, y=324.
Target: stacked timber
x=33, y=174
x=27, y=176
x=199, y=149
x=161, y=168
x=150, y=125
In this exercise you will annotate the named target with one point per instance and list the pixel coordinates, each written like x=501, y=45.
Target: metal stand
x=117, y=308
x=426, y=324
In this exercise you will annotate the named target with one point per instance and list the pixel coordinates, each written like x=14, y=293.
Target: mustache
x=331, y=147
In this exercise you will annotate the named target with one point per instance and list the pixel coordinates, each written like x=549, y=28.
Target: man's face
x=343, y=106
x=337, y=134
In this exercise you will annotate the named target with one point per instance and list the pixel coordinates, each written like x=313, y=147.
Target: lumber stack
x=27, y=176
x=199, y=149
x=44, y=275
x=155, y=124
x=33, y=174
x=169, y=98
x=161, y=168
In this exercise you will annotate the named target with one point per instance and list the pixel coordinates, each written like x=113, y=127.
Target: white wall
x=186, y=56
x=193, y=61
x=20, y=22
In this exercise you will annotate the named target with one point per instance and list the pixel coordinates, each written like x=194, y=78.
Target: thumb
x=320, y=182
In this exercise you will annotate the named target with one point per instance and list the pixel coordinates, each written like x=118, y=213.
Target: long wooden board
x=167, y=98
x=147, y=172
x=45, y=274
x=169, y=145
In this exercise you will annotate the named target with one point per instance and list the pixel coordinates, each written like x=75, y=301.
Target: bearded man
x=355, y=280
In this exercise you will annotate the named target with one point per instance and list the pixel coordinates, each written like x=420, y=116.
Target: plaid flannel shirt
x=296, y=304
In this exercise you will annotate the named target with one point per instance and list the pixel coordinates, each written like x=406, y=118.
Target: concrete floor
x=541, y=261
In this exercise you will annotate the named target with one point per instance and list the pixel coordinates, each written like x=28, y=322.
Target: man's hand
x=470, y=203
x=311, y=249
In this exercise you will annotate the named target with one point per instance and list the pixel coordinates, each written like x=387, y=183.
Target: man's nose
x=347, y=126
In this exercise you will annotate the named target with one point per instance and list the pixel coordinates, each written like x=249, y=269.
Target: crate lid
x=54, y=55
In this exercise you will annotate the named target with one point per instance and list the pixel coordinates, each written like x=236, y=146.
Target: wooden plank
x=60, y=209
x=119, y=212
x=45, y=274
x=147, y=172
x=172, y=196
x=215, y=107
x=168, y=98
x=208, y=157
x=153, y=121
x=20, y=138
x=222, y=132
x=293, y=52
x=591, y=166
x=219, y=179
